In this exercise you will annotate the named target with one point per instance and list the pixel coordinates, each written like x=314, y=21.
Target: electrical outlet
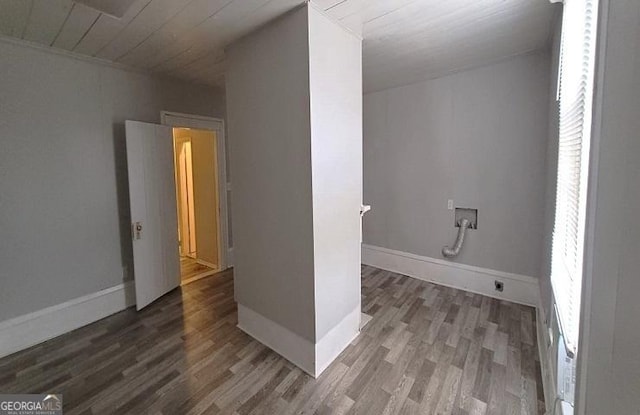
x=450, y=204
x=499, y=286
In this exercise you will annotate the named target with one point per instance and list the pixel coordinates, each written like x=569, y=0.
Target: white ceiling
x=404, y=40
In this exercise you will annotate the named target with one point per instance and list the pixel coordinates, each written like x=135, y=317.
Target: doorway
x=199, y=145
x=196, y=171
x=153, y=202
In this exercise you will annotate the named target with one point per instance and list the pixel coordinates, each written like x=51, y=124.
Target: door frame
x=184, y=180
x=201, y=122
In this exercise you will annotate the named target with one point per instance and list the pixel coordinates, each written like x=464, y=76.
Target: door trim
x=201, y=122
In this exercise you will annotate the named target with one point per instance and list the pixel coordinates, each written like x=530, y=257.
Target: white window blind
x=575, y=94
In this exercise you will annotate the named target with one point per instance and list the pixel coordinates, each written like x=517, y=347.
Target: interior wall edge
x=291, y=346
x=329, y=347
x=337, y=22
x=311, y=358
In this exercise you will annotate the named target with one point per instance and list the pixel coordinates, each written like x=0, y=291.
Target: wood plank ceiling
x=404, y=40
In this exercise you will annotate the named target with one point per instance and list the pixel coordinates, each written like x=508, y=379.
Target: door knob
x=136, y=230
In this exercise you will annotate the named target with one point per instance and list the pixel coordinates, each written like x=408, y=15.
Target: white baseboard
x=30, y=329
x=198, y=277
x=518, y=288
x=310, y=357
x=291, y=346
x=336, y=340
x=206, y=263
x=230, y=258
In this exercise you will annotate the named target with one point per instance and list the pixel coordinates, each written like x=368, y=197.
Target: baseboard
x=206, y=263
x=291, y=346
x=30, y=329
x=336, y=340
x=311, y=358
x=518, y=288
x=364, y=320
x=230, y=258
x=198, y=277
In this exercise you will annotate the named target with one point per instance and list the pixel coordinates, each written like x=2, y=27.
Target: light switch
x=450, y=204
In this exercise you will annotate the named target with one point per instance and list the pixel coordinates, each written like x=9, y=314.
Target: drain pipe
x=457, y=246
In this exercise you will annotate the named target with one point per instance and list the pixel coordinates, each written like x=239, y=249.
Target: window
x=575, y=94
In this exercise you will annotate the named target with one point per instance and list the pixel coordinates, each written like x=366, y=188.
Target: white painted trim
x=198, y=277
x=207, y=264
x=311, y=358
x=185, y=120
x=340, y=24
x=73, y=55
x=230, y=257
x=364, y=320
x=30, y=329
x=544, y=345
x=94, y=60
x=336, y=340
x=455, y=71
x=585, y=339
x=518, y=288
x=178, y=119
x=291, y=346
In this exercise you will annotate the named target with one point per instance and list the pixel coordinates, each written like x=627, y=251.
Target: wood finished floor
x=427, y=350
x=191, y=270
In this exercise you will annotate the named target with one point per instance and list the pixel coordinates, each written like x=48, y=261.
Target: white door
x=154, y=220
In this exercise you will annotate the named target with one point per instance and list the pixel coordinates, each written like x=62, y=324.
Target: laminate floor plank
x=427, y=349
x=191, y=270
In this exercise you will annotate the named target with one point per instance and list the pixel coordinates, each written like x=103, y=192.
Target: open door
x=154, y=223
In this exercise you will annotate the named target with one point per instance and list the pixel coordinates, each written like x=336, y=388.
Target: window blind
x=575, y=95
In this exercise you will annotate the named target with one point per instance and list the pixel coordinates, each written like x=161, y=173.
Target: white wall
x=270, y=154
x=64, y=213
x=295, y=127
x=477, y=137
x=609, y=367
x=336, y=147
